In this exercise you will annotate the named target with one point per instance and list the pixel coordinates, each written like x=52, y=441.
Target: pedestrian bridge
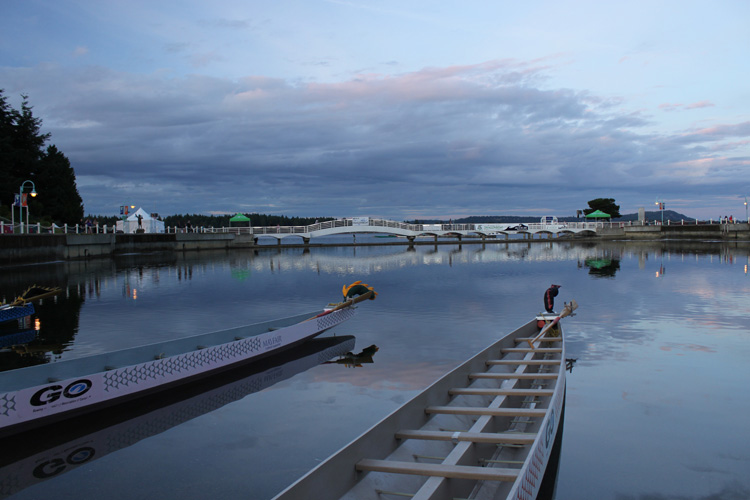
x=412, y=231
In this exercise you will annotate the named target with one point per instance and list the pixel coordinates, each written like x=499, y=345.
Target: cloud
x=486, y=138
x=700, y=104
x=681, y=107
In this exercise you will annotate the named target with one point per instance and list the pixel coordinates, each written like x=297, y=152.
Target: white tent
x=146, y=222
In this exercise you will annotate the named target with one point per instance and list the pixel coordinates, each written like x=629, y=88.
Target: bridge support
x=306, y=241
x=411, y=238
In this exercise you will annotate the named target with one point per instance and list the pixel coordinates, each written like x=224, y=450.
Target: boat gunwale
x=144, y=353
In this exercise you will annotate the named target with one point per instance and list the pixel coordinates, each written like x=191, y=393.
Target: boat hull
x=500, y=407
x=8, y=313
x=69, y=388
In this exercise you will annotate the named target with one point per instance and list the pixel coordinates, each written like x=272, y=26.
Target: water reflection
x=656, y=358
x=55, y=321
x=46, y=453
x=351, y=360
x=601, y=267
x=17, y=337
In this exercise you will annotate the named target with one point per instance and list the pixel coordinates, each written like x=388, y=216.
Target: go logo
x=55, y=466
x=52, y=393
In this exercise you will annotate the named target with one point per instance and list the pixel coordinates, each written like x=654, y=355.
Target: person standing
x=549, y=298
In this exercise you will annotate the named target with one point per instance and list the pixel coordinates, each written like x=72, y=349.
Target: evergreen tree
x=23, y=157
x=8, y=118
x=57, y=180
x=27, y=143
x=606, y=205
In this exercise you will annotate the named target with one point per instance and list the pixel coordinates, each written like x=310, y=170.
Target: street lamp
x=660, y=204
x=22, y=202
x=124, y=210
x=746, y=219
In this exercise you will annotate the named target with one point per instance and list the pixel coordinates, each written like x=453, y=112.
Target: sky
x=390, y=109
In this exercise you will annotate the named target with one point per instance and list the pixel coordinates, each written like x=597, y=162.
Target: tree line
x=256, y=219
x=23, y=156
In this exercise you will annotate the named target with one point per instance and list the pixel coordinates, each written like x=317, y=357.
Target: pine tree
x=23, y=157
x=8, y=118
x=56, y=178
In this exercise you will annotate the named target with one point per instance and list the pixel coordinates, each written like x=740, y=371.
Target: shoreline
x=45, y=248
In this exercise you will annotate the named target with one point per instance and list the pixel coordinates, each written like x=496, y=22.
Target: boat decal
x=528, y=487
x=331, y=320
x=164, y=368
x=7, y=404
x=549, y=434
x=52, y=393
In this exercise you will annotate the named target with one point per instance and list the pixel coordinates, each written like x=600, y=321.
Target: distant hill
x=670, y=215
x=656, y=215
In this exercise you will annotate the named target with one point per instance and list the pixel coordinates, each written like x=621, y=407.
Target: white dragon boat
x=41, y=454
x=42, y=394
x=484, y=431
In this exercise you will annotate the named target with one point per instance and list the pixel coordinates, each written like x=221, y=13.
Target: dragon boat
x=42, y=394
x=486, y=430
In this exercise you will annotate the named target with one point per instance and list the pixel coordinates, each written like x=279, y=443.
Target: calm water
x=657, y=403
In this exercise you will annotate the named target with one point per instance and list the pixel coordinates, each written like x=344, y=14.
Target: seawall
x=694, y=232
x=17, y=249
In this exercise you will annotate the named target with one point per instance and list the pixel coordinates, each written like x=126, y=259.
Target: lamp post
x=660, y=204
x=746, y=219
x=22, y=202
x=124, y=211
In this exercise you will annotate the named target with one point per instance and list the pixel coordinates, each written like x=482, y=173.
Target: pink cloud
x=676, y=107
x=700, y=104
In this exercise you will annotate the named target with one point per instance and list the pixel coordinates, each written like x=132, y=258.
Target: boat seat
x=472, y=437
x=540, y=350
x=495, y=412
x=500, y=392
x=520, y=376
x=543, y=339
x=492, y=362
x=438, y=470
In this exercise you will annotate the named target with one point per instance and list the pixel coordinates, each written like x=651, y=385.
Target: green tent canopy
x=598, y=215
x=239, y=218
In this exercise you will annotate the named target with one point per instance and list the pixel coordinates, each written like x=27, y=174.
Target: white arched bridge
x=549, y=226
